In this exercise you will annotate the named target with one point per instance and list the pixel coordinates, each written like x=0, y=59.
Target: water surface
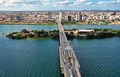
x=40, y=57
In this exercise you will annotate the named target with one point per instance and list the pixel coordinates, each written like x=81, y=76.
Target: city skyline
x=40, y=5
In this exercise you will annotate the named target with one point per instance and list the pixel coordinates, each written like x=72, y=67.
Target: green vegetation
x=33, y=34
x=105, y=33
x=104, y=22
x=70, y=33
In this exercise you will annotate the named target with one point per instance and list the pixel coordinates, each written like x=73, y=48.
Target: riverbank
x=28, y=23
x=55, y=23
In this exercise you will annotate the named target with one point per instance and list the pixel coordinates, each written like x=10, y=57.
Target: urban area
x=50, y=17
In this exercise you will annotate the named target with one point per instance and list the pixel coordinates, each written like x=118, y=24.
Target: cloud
x=2, y=1
x=109, y=2
x=33, y=2
x=65, y=3
x=43, y=3
x=10, y=3
x=15, y=1
x=82, y=2
x=79, y=1
x=73, y=3
x=89, y=3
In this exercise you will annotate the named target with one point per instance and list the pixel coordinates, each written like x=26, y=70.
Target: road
x=69, y=63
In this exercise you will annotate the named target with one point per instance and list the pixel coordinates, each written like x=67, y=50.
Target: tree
x=118, y=32
x=24, y=31
x=30, y=35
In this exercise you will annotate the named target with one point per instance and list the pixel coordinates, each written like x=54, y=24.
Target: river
x=40, y=57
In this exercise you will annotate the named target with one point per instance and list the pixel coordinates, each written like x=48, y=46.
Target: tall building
x=18, y=18
x=69, y=18
x=81, y=17
x=49, y=15
x=78, y=16
x=11, y=17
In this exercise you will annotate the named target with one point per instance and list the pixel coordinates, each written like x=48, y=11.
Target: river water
x=40, y=57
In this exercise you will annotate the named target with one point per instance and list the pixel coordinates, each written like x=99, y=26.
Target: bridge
x=3, y=34
x=68, y=62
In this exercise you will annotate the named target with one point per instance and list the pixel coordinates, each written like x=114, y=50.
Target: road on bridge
x=68, y=61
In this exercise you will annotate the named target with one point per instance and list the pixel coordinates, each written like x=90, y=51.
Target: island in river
x=70, y=33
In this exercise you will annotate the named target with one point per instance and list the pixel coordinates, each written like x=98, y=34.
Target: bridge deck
x=68, y=61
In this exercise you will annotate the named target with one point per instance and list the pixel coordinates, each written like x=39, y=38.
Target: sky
x=43, y=5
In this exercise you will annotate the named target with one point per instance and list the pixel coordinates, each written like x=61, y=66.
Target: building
x=49, y=15
x=69, y=18
x=84, y=33
x=79, y=16
x=18, y=18
x=11, y=17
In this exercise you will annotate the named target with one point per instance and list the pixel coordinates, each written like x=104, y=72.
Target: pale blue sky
x=38, y=5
